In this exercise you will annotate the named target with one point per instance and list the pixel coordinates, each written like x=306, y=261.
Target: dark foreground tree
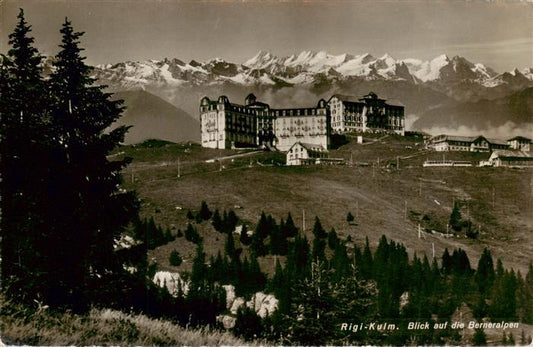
x=24, y=141
x=91, y=212
x=66, y=209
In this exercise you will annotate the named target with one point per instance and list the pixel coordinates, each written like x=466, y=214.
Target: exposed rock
x=404, y=300
x=227, y=321
x=230, y=295
x=172, y=281
x=239, y=302
x=263, y=304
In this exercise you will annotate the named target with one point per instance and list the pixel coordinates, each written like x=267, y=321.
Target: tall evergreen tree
x=485, y=272
x=216, y=220
x=90, y=212
x=24, y=166
x=318, y=230
x=289, y=229
x=204, y=213
x=455, y=217
x=314, y=308
x=245, y=239
x=333, y=239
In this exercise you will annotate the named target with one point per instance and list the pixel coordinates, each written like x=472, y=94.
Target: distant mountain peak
x=310, y=67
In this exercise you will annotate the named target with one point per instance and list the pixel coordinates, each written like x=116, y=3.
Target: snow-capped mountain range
x=306, y=68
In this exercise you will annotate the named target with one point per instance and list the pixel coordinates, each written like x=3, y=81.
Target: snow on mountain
x=515, y=78
x=528, y=73
x=427, y=70
x=306, y=67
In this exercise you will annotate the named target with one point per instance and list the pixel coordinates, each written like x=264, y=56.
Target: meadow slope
x=384, y=200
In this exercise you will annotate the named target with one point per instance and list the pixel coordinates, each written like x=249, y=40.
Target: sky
x=496, y=33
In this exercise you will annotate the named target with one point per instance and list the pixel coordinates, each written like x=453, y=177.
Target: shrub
x=175, y=258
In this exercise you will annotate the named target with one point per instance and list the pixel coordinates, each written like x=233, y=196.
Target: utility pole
x=179, y=173
x=433, y=249
x=303, y=220
x=419, y=230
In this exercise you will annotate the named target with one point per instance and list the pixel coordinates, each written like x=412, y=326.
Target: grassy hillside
x=28, y=326
x=152, y=117
x=384, y=200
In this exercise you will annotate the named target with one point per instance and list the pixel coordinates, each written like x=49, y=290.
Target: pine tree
x=245, y=239
x=175, y=258
x=230, y=221
x=318, y=230
x=333, y=239
x=446, y=262
x=216, y=220
x=484, y=276
x=455, y=217
x=199, y=273
x=205, y=213
x=314, y=308
x=87, y=183
x=230, y=246
x=289, y=229
x=319, y=248
x=262, y=229
x=258, y=245
x=350, y=218
x=367, y=261
x=191, y=234
x=27, y=176
x=278, y=242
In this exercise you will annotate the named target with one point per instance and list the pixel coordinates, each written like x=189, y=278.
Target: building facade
x=510, y=158
x=366, y=114
x=520, y=143
x=228, y=125
x=443, y=143
x=305, y=154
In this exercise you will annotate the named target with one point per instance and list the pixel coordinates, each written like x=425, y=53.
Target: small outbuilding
x=305, y=154
x=511, y=158
x=520, y=143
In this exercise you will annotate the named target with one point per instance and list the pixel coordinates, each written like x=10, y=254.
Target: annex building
x=442, y=143
x=367, y=114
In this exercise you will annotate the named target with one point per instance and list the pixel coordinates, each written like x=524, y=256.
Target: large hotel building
x=228, y=125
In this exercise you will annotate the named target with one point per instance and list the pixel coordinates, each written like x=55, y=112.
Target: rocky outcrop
x=263, y=304
x=172, y=281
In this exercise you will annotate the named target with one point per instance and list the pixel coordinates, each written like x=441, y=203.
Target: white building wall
x=336, y=108
x=209, y=129
x=221, y=140
x=296, y=153
x=306, y=129
x=441, y=146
